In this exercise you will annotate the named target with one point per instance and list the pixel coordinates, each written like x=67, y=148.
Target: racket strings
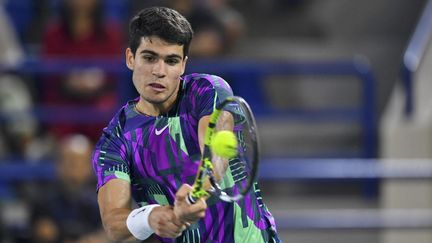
x=230, y=179
x=235, y=172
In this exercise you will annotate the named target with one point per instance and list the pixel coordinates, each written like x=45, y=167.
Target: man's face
x=157, y=67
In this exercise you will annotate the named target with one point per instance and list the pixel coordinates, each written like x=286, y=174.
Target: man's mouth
x=157, y=86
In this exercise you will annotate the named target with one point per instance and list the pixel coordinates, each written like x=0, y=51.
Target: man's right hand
x=186, y=212
x=164, y=222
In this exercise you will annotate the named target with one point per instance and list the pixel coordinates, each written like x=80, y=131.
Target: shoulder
x=113, y=135
x=197, y=81
x=118, y=122
x=203, y=91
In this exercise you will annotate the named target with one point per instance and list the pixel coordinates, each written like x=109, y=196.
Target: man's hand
x=186, y=212
x=165, y=223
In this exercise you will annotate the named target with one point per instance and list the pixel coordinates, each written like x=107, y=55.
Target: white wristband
x=138, y=224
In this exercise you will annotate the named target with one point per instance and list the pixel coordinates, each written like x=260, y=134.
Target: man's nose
x=159, y=68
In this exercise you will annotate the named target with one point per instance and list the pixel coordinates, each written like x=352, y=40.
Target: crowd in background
x=64, y=209
x=82, y=29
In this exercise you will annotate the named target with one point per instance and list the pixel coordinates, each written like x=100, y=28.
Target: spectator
x=232, y=20
x=67, y=210
x=216, y=26
x=11, y=53
x=18, y=126
x=81, y=32
x=209, y=33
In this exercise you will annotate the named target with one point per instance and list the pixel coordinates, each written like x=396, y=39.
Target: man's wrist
x=138, y=223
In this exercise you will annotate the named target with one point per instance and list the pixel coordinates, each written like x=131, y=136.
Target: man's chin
x=156, y=100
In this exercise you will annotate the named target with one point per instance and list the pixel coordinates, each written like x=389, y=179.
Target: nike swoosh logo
x=140, y=211
x=159, y=132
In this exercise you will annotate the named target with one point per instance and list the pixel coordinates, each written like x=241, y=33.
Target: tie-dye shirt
x=159, y=154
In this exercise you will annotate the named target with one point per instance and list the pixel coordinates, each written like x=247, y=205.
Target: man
x=151, y=149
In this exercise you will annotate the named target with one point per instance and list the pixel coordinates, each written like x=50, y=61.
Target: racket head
x=232, y=178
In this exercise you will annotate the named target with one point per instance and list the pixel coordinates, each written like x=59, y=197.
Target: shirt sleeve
x=210, y=90
x=110, y=158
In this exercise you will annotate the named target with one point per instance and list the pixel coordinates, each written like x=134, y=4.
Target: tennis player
x=149, y=153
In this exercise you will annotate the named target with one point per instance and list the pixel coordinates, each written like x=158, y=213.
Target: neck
x=149, y=109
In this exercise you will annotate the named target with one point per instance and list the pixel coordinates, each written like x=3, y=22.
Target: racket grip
x=191, y=199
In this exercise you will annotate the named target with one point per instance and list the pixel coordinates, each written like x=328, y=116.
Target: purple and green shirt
x=157, y=154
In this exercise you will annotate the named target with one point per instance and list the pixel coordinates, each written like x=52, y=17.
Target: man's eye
x=149, y=58
x=172, y=61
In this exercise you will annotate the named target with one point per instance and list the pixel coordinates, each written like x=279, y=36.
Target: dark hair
x=165, y=23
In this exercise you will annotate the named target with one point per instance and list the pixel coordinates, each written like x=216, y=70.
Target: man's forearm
x=115, y=226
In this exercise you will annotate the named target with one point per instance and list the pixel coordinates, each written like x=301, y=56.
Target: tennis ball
x=224, y=144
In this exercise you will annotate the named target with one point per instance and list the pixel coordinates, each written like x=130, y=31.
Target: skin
x=157, y=67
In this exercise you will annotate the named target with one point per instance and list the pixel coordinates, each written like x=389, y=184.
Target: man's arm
x=202, y=126
x=225, y=122
x=114, y=200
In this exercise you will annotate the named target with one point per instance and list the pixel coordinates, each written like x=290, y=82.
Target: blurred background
x=340, y=89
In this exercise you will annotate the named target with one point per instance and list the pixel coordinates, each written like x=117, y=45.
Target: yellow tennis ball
x=224, y=144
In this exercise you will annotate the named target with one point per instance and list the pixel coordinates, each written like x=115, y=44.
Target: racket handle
x=191, y=199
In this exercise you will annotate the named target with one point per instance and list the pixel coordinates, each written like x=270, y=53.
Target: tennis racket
x=229, y=179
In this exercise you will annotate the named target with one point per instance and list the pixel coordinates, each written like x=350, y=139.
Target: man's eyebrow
x=174, y=56
x=156, y=54
x=149, y=52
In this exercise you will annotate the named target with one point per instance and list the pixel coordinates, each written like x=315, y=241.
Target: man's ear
x=130, y=58
x=184, y=65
